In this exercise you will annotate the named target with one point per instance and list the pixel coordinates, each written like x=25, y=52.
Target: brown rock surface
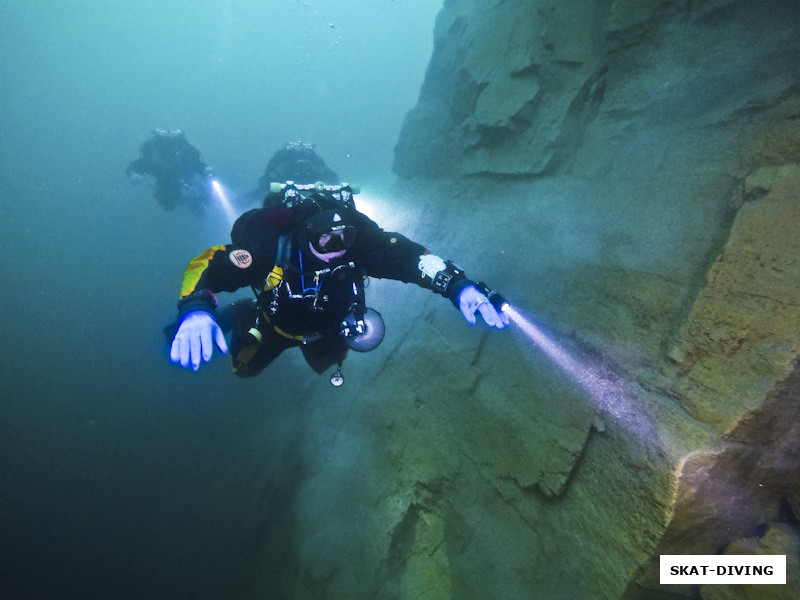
x=734, y=497
x=744, y=329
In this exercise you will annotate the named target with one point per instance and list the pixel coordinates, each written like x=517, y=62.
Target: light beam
x=222, y=197
x=604, y=390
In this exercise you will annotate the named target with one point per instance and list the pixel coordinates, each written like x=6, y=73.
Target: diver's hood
x=337, y=222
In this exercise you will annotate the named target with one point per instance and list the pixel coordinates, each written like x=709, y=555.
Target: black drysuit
x=301, y=299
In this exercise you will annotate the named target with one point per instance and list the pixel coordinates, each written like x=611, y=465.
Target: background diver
x=174, y=169
x=307, y=261
x=295, y=161
x=298, y=162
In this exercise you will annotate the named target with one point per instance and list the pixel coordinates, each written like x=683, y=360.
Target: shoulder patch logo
x=241, y=258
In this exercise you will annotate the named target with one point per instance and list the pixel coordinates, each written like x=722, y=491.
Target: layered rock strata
x=626, y=173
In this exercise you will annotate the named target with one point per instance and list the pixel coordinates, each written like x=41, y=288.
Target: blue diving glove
x=195, y=339
x=471, y=300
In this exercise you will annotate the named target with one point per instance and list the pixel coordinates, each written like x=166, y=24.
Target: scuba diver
x=296, y=162
x=174, y=170
x=307, y=261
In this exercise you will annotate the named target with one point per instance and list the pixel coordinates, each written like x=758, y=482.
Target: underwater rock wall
x=741, y=335
x=513, y=86
x=626, y=173
x=671, y=132
x=741, y=497
x=514, y=115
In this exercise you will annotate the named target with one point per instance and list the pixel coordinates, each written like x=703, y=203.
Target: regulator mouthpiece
x=500, y=304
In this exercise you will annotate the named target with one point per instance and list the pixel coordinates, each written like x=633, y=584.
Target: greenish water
x=122, y=476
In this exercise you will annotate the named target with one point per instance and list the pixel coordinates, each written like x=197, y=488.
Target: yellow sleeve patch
x=196, y=268
x=274, y=278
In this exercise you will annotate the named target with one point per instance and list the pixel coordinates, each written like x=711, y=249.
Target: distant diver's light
x=375, y=205
x=221, y=195
x=605, y=392
x=366, y=207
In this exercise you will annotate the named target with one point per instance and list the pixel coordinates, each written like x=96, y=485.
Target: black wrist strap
x=198, y=300
x=449, y=282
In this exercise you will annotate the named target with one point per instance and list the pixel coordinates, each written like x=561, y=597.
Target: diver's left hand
x=472, y=301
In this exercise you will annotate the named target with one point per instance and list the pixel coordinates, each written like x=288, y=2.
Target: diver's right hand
x=195, y=339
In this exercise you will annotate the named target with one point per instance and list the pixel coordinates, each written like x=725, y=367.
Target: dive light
x=500, y=304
